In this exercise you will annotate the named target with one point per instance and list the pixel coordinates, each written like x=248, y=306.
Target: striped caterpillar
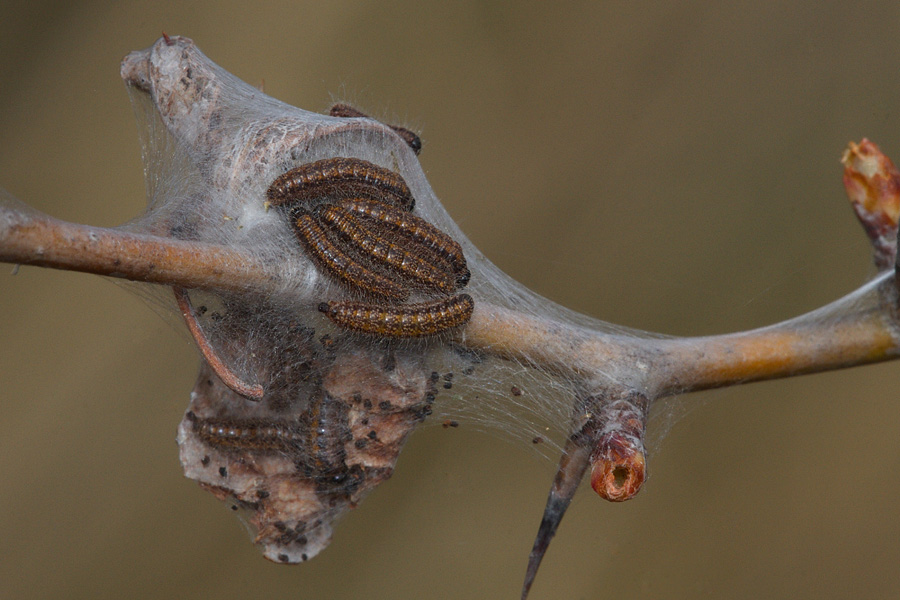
x=332, y=178
x=418, y=231
x=354, y=219
x=314, y=440
x=345, y=110
x=404, y=321
x=408, y=261
x=336, y=261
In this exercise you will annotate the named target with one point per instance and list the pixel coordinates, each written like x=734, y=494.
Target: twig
x=865, y=333
x=28, y=237
x=228, y=377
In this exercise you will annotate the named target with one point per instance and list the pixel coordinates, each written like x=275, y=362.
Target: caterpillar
x=403, y=321
x=315, y=439
x=335, y=178
x=329, y=430
x=262, y=436
x=345, y=110
x=415, y=229
x=401, y=259
x=331, y=257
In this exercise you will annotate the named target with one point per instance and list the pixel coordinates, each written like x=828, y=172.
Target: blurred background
x=670, y=166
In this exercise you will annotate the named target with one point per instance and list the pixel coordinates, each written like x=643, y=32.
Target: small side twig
x=228, y=377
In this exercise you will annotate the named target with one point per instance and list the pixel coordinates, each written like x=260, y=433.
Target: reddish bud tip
x=872, y=183
x=618, y=470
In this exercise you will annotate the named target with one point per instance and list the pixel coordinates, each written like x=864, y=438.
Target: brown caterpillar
x=412, y=140
x=335, y=178
x=405, y=321
x=329, y=430
x=342, y=266
x=419, y=231
x=261, y=436
x=314, y=440
x=402, y=260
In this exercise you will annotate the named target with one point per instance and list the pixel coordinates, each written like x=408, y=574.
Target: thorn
x=572, y=465
x=609, y=433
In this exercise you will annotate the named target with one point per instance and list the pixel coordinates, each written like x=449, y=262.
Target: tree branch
x=862, y=330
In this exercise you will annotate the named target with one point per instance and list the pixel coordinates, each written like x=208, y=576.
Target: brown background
x=669, y=165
